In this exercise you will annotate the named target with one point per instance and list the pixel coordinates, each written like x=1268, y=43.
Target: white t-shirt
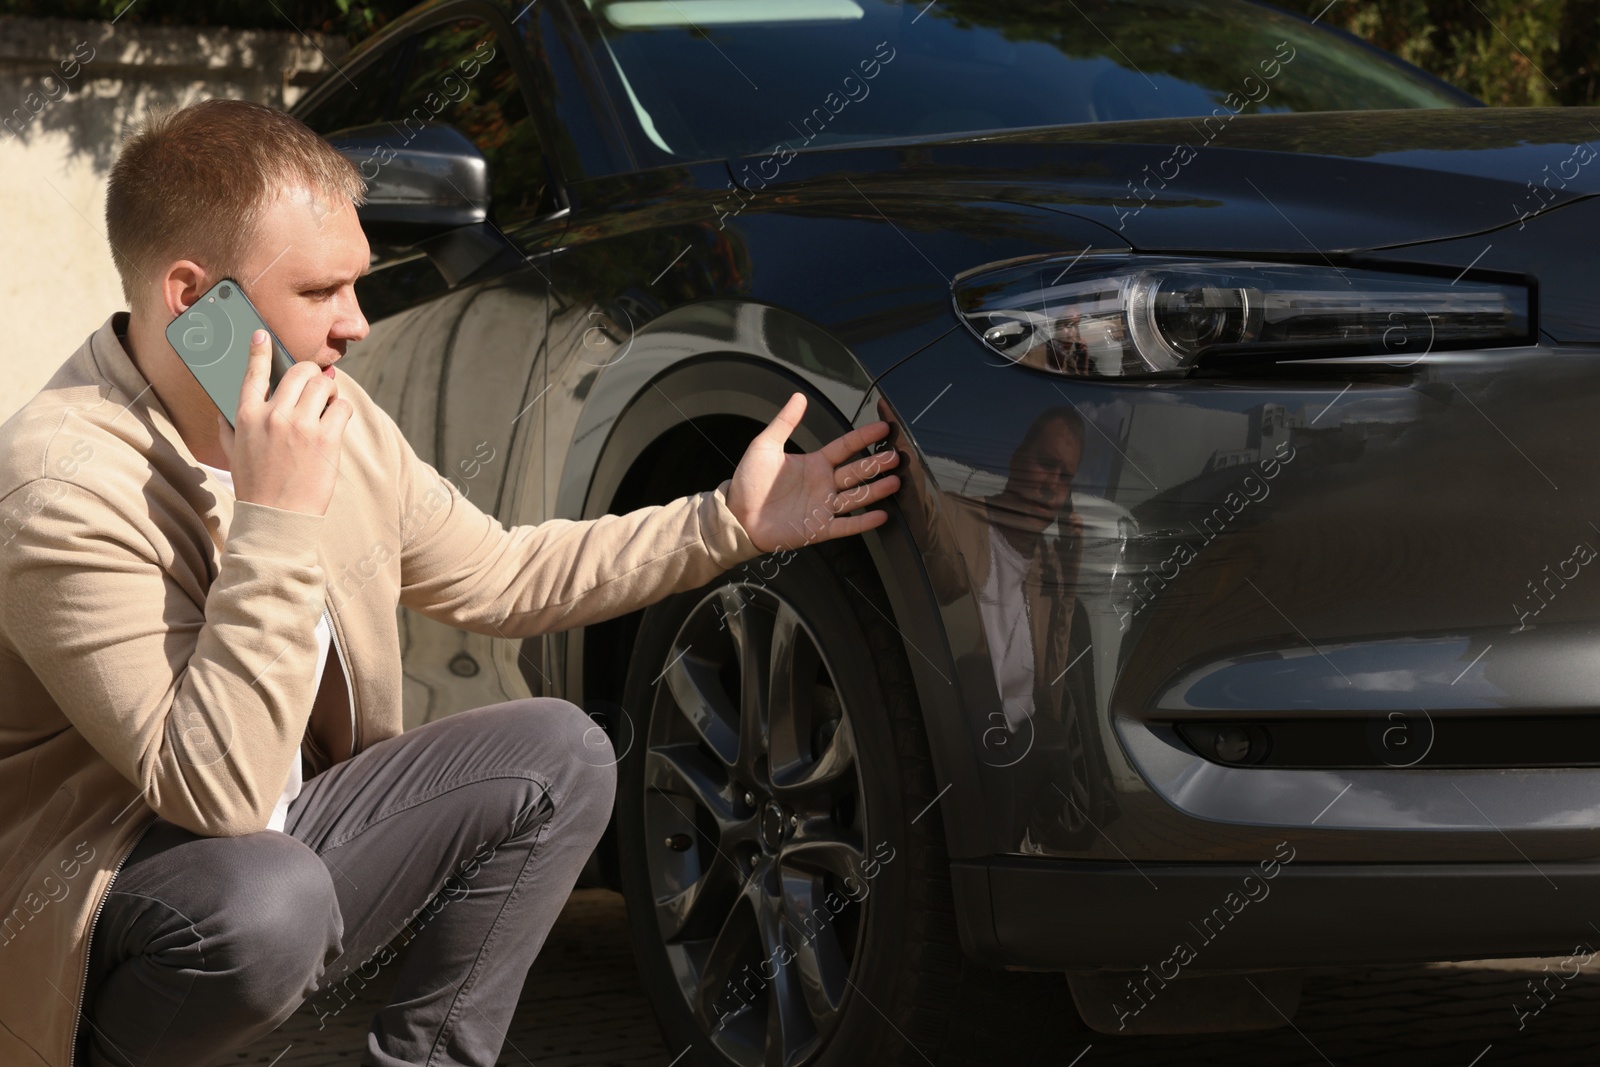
x=1003, y=607
x=293, y=780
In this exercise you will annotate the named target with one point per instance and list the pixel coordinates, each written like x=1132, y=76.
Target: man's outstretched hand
x=786, y=499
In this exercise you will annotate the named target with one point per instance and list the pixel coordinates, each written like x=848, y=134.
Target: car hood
x=1295, y=183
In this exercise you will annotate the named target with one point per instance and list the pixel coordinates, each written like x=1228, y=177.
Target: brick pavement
x=583, y=1007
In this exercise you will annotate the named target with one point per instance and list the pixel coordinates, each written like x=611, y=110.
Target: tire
x=812, y=921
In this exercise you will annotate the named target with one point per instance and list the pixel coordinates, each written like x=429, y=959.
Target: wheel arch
x=656, y=451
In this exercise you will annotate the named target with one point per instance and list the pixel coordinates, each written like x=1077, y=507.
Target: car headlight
x=1116, y=316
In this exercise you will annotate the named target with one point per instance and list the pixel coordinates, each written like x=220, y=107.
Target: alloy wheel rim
x=755, y=828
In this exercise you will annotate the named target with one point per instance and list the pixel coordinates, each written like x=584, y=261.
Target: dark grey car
x=1237, y=615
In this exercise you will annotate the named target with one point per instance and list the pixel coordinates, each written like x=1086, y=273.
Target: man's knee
x=561, y=745
x=587, y=779
x=279, y=923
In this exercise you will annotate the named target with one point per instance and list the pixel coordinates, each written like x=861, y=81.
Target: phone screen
x=212, y=337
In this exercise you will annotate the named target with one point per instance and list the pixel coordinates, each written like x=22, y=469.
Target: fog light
x=1232, y=744
x=1236, y=744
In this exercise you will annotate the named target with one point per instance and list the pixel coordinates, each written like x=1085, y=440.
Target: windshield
x=713, y=78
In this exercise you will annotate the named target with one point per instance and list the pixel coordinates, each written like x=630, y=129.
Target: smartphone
x=212, y=338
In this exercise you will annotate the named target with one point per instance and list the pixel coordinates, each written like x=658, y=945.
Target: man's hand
x=785, y=500
x=284, y=452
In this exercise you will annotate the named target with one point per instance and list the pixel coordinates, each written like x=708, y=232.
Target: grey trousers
x=462, y=839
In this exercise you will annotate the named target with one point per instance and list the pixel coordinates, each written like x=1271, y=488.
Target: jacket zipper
x=83, y=981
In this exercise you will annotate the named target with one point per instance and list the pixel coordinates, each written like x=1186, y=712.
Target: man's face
x=1041, y=474
x=300, y=274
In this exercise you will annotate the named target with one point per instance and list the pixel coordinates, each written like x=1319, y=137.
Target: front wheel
x=781, y=855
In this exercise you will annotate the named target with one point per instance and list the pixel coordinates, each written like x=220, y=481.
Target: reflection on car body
x=1241, y=390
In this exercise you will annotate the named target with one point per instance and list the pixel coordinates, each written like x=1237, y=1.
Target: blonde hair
x=193, y=182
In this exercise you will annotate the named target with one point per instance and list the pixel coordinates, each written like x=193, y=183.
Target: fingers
x=843, y=447
x=829, y=522
x=257, y=370
x=862, y=470
x=862, y=495
x=783, y=423
x=338, y=416
x=284, y=448
x=296, y=382
x=886, y=414
x=292, y=387
x=313, y=397
x=849, y=525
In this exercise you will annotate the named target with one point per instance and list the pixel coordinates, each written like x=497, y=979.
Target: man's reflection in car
x=1076, y=344
x=1023, y=552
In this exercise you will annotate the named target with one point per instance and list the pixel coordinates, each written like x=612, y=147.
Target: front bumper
x=1391, y=549
x=1070, y=915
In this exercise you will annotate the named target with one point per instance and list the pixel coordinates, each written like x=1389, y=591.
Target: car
x=1234, y=616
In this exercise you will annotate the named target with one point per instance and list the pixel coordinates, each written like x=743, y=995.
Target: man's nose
x=351, y=325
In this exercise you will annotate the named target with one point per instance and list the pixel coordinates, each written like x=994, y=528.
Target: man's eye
x=319, y=293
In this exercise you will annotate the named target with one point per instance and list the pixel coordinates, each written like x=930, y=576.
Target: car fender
x=751, y=376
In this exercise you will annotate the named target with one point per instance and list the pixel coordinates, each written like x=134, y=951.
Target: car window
x=361, y=97
x=460, y=74
x=364, y=96
x=741, y=77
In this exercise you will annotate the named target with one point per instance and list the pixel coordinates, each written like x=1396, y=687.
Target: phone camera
x=225, y=292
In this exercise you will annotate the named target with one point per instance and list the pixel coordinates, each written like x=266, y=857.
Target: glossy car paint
x=1390, y=565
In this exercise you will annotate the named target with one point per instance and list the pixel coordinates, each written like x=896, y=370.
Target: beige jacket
x=157, y=638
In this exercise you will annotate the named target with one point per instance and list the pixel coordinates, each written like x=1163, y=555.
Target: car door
x=458, y=361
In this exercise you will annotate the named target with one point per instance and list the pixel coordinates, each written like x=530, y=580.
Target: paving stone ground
x=583, y=1006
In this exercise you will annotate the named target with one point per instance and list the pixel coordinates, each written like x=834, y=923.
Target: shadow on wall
x=88, y=80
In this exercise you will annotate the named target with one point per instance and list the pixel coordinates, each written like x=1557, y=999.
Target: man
x=1037, y=744
x=208, y=810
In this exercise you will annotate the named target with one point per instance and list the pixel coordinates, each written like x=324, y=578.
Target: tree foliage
x=1509, y=53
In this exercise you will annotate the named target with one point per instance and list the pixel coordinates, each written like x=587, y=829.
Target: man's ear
x=182, y=283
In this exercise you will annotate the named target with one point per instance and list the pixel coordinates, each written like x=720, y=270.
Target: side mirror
x=427, y=188
x=420, y=181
